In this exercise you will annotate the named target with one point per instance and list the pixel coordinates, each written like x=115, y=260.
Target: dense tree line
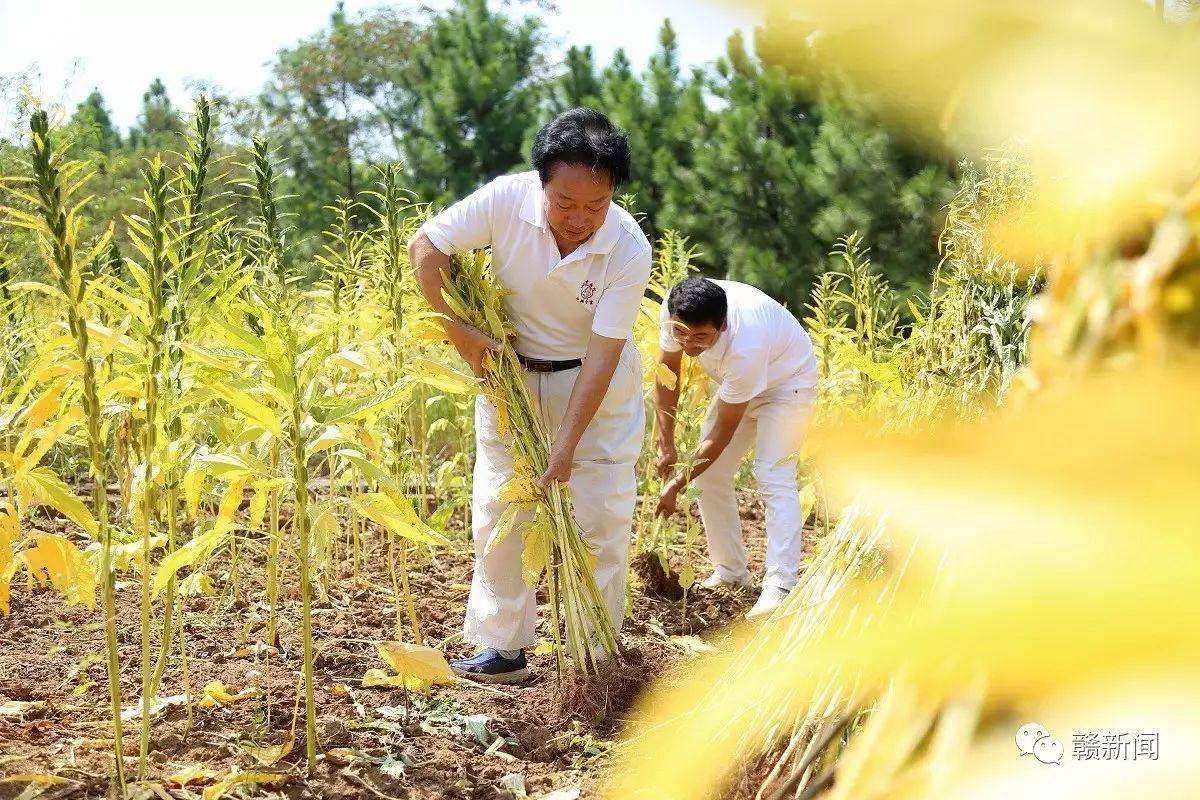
x=763, y=158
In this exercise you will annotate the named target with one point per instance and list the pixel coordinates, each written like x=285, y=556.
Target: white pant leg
x=782, y=419
x=604, y=474
x=718, y=502
x=501, y=610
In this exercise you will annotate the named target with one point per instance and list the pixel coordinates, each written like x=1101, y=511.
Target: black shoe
x=491, y=666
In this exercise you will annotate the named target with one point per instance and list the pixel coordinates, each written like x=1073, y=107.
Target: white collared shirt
x=764, y=349
x=556, y=302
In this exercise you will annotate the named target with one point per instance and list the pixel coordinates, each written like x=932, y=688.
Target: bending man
x=763, y=359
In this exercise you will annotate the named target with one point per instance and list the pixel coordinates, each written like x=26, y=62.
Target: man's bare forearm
x=431, y=268
x=709, y=451
x=666, y=400
x=589, y=390
x=728, y=417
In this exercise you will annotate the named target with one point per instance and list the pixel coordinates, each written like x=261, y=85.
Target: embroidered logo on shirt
x=587, y=291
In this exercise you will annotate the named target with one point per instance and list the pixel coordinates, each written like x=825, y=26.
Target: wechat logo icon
x=1033, y=739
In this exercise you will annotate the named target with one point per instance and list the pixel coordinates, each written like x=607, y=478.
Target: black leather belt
x=546, y=365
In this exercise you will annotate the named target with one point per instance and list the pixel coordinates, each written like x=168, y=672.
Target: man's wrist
x=564, y=447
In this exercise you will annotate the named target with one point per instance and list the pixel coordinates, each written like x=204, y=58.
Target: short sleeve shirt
x=764, y=348
x=555, y=302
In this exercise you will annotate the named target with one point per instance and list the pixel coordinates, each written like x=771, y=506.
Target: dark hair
x=582, y=136
x=696, y=300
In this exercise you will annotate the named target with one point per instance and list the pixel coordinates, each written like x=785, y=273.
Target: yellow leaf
x=808, y=501
x=378, y=677
x=544, y=648
x=40, y=411
x=18, y=708
x=43, y=485
x=425, y=329
x=416, y=661
x=503, y=419
x=55, y=559
x=269, y=755
x=351, y=360
x=193, y=774
x=96, y=744
x=258, y=506
x=258, y=413
x=35, y=777
x=332, y=436
x=196, y=583
x=1059, y=78
x=397, y=517
x=340, y=755
x=193, y=482
x=239, y=778
x=504, y=526
x=693, y=643
x=441, y=377
x=10, y=533
x=519, y=489
x=993, y=533
x=231, y=500
x=215, y=694
x=536, y=553
x=197, y=549
x=665, y=376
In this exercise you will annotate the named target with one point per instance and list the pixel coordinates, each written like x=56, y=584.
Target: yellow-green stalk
x=55, y=184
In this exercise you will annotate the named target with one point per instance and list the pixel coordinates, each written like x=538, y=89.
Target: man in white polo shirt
x=764, y=361
x=576, y=265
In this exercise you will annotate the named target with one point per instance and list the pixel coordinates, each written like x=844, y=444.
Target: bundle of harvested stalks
x=553, y=542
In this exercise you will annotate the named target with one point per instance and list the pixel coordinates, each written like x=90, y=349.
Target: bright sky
x=120, y=46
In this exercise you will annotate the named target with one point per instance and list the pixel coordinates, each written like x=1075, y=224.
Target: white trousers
x=501, y=610
x=774, y=426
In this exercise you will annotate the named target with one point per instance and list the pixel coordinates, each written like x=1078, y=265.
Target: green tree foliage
x=94, y=126
x=337, y=102
x=159, y=124
x=786, y=159
x=763, y=159
x=578, y=84
x=477, y=79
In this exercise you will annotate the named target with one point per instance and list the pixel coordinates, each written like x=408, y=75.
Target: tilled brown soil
x=461, y=741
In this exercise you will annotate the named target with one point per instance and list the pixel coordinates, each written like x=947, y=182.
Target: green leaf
x=368, y=406
x=371, y=472
x=232, y=466
x=236, y=338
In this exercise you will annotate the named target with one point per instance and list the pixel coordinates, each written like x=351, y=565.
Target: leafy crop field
x=235, y=480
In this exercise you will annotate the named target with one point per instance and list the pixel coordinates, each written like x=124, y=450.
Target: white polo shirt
x=764, y=349
x=556, y=303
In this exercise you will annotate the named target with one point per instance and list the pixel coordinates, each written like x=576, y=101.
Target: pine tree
x=578, y=85
x=476, y=85
x=159, y=124
x=94, y=125
x=789, y=159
